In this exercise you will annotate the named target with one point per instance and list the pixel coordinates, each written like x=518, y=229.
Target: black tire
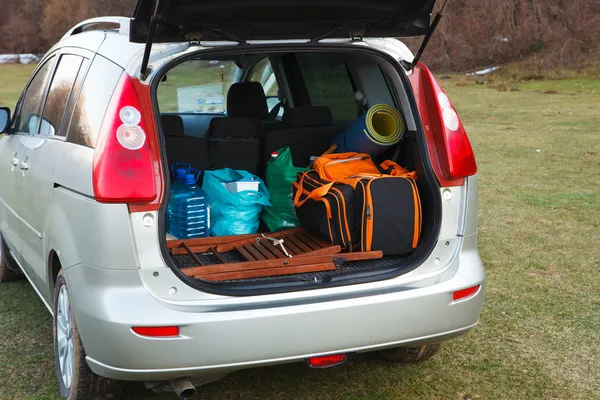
x=9, y=270
x=411, y=355
x=85, y=385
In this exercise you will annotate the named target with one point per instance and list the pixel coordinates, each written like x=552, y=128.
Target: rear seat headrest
x=172, y=125
x=247, y=100
x=233, y=128
x=302, y=117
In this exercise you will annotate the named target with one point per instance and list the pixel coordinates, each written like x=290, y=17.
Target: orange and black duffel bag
x=348, y=200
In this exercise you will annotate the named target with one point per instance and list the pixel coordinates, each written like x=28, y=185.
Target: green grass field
x=539, y=240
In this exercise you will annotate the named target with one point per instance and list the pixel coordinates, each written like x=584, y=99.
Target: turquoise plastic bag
x=234, y=213
x=281, y=173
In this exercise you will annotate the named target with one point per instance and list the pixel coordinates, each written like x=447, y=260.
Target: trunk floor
x=386, y=263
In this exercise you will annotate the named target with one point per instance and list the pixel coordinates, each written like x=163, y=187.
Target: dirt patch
x=550, y=92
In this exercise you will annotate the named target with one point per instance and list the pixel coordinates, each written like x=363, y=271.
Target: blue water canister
x=178, y=170
x=188, y=213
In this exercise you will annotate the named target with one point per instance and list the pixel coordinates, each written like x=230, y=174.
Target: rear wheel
x=75, y=379
x=9, y=271
x=410, y=355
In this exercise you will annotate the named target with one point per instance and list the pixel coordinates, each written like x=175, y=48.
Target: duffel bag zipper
x=340, y=216
x=342, y=212
x=367, y=240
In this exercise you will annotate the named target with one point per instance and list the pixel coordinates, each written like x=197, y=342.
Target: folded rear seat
x=180, y=148
x=308, y=131
x=234, y=143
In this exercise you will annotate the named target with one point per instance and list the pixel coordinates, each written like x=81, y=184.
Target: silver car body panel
x=118, y=279
x=232, y=339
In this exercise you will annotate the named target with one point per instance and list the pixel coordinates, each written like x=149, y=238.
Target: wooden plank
x=255, y=253
x=208, y=241
x=266, y=253
x=258, y=273
x=191, y=253
x=323, y=252
x=245, y=254
x=228, y=246
x=277, y=263
x=298, y=243
x=219, y=240
x=322, y=243
x=218, y=255
x=307, y=241
x=177, y=251
x=291, y=247
x=275, y=250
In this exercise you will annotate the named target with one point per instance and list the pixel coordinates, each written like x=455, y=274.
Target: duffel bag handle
x=391, y=168
x=312, y=195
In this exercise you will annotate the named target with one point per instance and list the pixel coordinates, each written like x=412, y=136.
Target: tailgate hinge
x=432, y=28
x=149, y=40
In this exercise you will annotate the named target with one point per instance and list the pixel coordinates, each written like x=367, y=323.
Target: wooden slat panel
x=255, y=253
x=323, y=252
x=291, y=247
x=177, y=251
x=258, y=273
x=245, y=254
x=219, y=240
x=288, y=262
x=307, y=241
x=191, y=254
x=208, y=241
x=315, y=239
x=299, y=243
x=274, y=250
x=266, y=253
x=231, y=245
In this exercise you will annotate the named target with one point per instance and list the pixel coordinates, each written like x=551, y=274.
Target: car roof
x=113, y=43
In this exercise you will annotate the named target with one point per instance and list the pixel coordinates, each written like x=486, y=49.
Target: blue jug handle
x=183, y=164
x=196, y=172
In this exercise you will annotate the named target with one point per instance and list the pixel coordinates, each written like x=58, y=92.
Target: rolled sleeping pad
x=373, y=133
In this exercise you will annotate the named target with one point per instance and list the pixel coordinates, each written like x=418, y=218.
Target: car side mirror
x=4, y=119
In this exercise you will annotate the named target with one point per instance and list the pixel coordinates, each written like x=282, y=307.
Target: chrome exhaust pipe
x=183, y=388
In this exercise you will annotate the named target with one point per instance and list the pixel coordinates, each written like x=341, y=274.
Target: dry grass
x=539, y=240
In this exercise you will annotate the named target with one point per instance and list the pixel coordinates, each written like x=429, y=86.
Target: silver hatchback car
x=84, y=187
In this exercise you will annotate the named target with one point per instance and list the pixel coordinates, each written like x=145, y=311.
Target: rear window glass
x=263, y=73
x=60, y=94
x=328, y=84
x=95, y=94
x=197, y=86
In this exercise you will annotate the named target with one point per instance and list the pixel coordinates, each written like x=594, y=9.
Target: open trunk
x=192, y=92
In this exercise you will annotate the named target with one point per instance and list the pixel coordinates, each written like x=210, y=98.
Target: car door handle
x=24, y=165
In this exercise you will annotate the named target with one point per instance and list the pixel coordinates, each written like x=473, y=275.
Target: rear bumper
x=212, y=344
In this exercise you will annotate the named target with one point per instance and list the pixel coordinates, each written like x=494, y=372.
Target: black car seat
x=234, y=143
x=308, y=132
x=181, y=148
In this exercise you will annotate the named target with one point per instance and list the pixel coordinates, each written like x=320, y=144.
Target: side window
x=197, y=86
x=27, y=118
x=264, y=74
x=59, y=95
x=328, y=84
x=92, y=102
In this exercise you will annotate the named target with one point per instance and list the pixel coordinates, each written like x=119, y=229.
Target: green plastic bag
x=280, y=175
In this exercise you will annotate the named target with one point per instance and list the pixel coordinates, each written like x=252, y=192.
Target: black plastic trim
x=246, y=289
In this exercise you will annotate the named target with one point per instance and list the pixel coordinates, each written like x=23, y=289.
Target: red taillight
x=156, y=331
x=464, y=293
x=449, y=147
x=327, y=361
x=124, y=161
